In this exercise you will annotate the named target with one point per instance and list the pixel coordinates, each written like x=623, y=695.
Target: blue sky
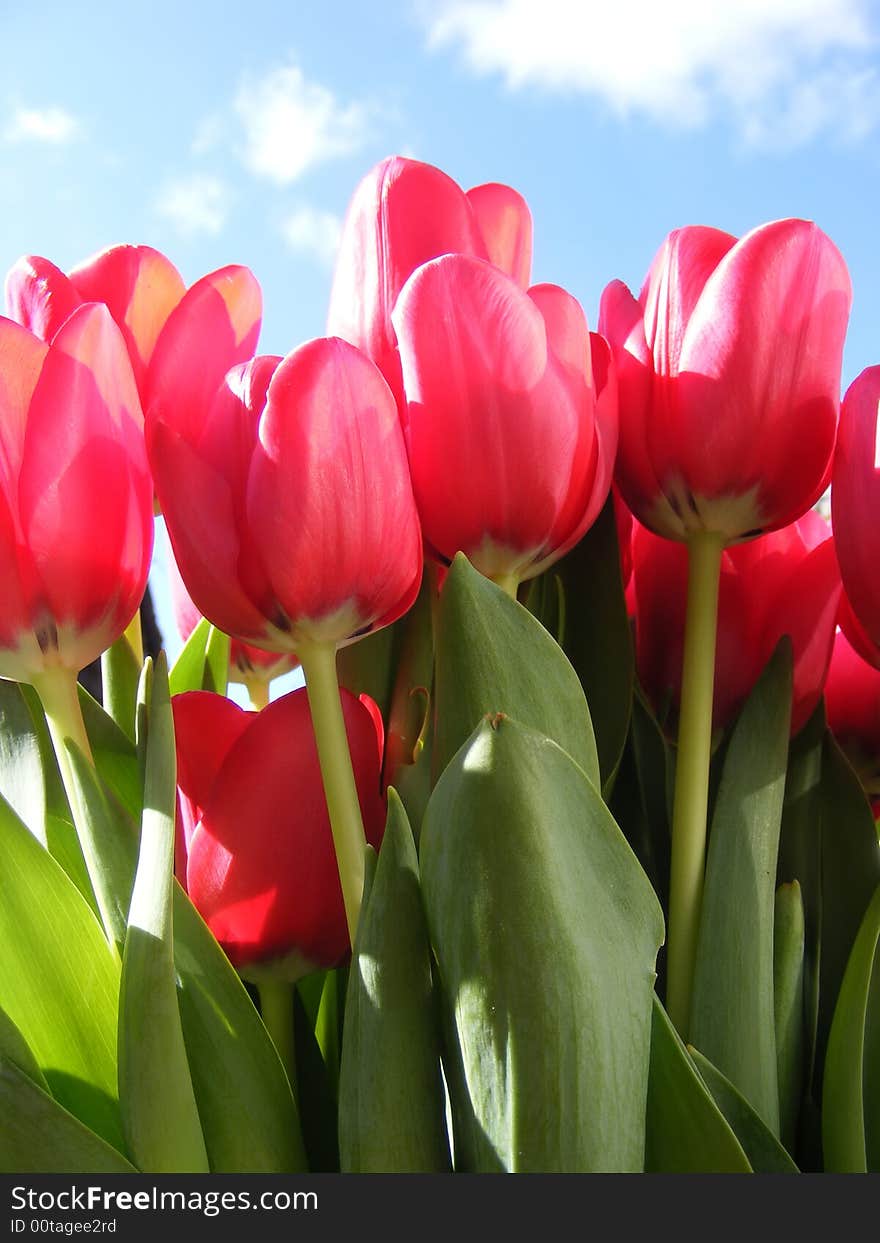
x=223, y=134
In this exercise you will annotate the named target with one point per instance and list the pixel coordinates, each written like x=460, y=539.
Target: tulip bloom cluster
x=653, y=481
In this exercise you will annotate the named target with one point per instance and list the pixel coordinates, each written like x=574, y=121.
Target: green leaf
x=315, y=1095
x=216, y=674
x=114, y=755
x=686, y=1133
x=120, y=672
x=545, y=931
x=39, y=1136
x=248, y=1115
x=14, y=1048
x=59, y=981
x=843, y=1106
x=640, y=801
x=764, y=1151
x=597, y=637
x=732, y=1011
x=367, y=667
x=203, y=663
x=158, y=1106
x=21, y=760
x=788, y=991
x=392, y=1112
x=493, y=656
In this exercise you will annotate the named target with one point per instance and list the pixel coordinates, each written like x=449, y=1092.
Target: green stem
x=690, y=808
x=276, y=1007
x=258, y=693
x=318, y=662
x=509, y=583
x=57, y=689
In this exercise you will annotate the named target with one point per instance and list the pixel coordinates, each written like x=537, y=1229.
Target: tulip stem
x=318, y=662
x=276, y=1007
x=57, y=689
x=691, y=803
x=509, y=583
x=257, y=693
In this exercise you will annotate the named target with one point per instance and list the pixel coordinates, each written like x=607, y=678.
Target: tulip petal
x=141, y=288
x=329, y=499
x=262, y=869
x=39, y=296
x=22, y=356
x=855, y=504
x=206, y=727
x=214, y=326
x=505, y=223
x=761, y=355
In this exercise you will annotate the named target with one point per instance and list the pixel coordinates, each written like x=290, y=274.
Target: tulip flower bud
x=511, y=419
x=402, y=214
x=855, y=506
x=783, y=583
x=729, y=372
x=257, y=855
x=76, y=519
x=164, y=324
x=288, y=501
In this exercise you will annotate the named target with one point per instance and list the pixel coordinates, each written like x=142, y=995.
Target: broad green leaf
x=732, y=1010
x=850, y=868
x=329, y=1021
x=314, y=1093
x=59, y=981
x=640, y=799
x=788, y=991
x=545, y=931
x=216, y=673
x=686, y=1133
x=188, y=671
x=159, y=1111
x=843, y=1105
x=39, y=1136
x=119, y=678
x=367, y=667
x=21, y=760
x=494, y=656
x=392, y=1112
x=764, y=1151
x=248, y=1115
x=14, y=1048
x=114, y=755
x=596, y=635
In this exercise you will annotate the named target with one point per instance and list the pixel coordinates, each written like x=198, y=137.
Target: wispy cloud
x=195, y=204
x=782, y=71
x=291, y=124
x=313, y=232
x=54, y=126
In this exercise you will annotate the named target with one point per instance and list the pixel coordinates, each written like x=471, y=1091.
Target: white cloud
x=196, y=204
x=291, y=124
x=781, y=70
x=54, y=126
x=313, y=232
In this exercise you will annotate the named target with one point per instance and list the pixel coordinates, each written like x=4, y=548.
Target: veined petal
x=329, y=499
x=39, y=296
x=141, y=288
x=22, y=356
x=505, y=224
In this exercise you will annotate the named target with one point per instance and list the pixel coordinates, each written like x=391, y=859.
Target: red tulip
x=257, y=857
x=855, y=508
x=76, y=521
x=512, y=420
x=783, y=583
x=288, y=500
x=246, y=663
x=402, y=214
x=729, y=371
x=852, y=705
x=166, y=327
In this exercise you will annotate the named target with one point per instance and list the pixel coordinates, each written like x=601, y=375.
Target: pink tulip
x=165, y=325
x=511, y=415
x=246, y=663
x=855, y=507
x=783, y=583
x=76, y=524
x=729, y=371
x=402, y=214
x=256, y=852
x=852, y=706
x=288, y=500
